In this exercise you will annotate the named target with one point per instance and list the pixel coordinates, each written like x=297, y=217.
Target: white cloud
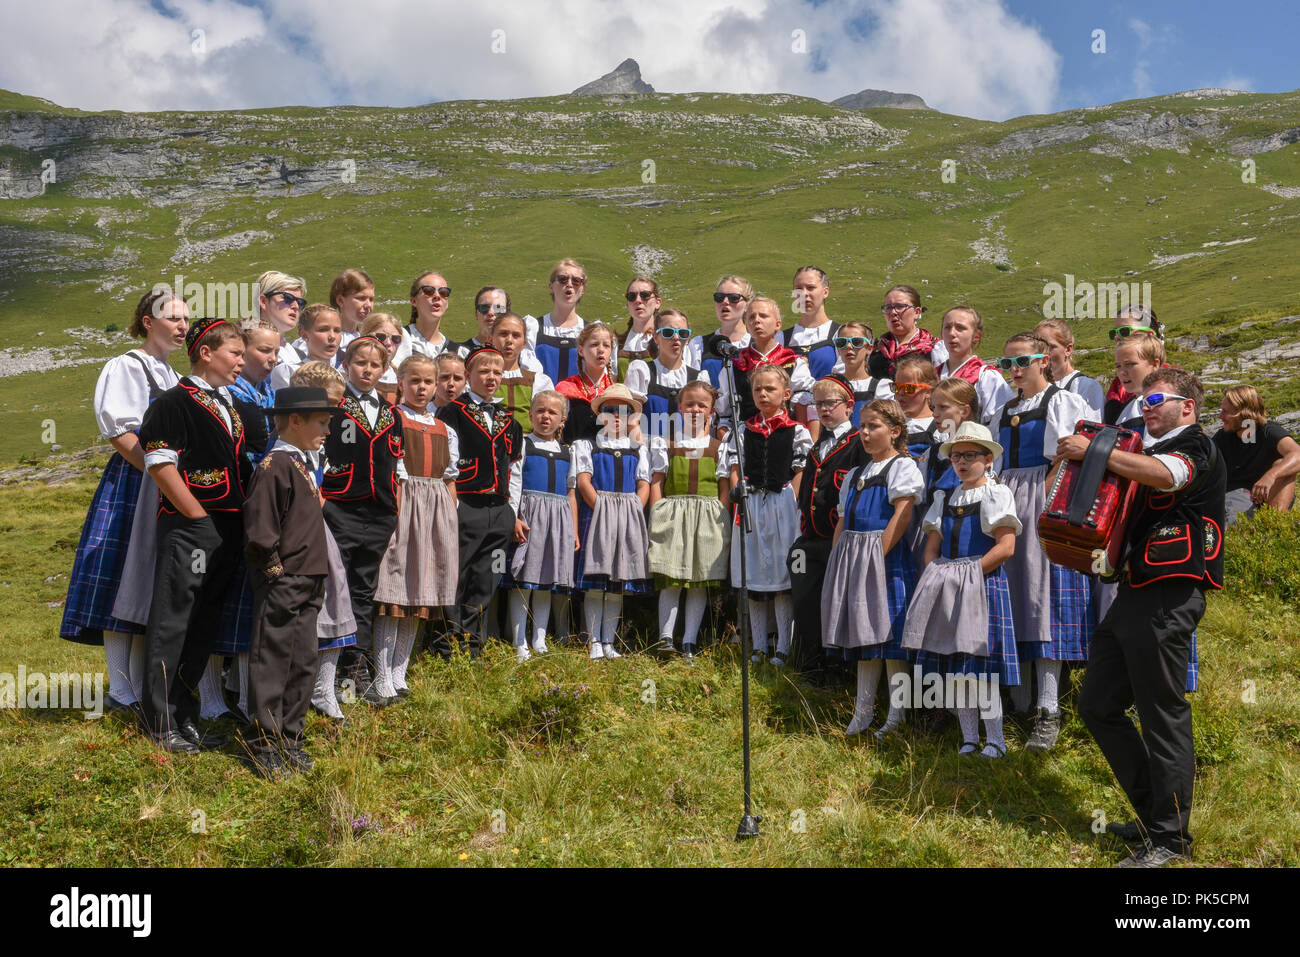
x=1141, y=65
x=963, y=56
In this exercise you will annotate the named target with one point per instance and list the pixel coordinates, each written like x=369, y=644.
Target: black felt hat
x=302, y=399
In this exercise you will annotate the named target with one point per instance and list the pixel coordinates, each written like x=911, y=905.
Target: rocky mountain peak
x=624, y=78
x=874, y=99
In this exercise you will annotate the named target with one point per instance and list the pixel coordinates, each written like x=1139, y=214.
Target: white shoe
x=610, y=652
x=539, y=646
x=522, y=654
x=859, y=724
x=596, y=651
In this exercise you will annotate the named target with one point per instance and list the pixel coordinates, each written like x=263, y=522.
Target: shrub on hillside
x=1262, y=556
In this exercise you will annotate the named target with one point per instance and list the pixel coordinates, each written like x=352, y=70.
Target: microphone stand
x=749, y=821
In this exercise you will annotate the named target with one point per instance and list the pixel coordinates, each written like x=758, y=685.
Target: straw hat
x=971, y=433
x=618, y=392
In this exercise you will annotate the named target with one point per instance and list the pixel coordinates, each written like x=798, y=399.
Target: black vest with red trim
x=1179, y=535
x=209, y=455
x=490, y=439
x=363, y=459
x=819, y=489
x=769, y=459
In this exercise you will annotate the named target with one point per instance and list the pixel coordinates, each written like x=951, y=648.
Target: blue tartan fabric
x=100, y=557
x=1002, y=659
x=600, y=582
x=902, y=580
x=235, y=635
x=329, y=644
x=1072, y=619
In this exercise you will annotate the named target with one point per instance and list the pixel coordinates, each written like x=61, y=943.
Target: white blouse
x=453, y=443
x=583, y=447
x=1066, y=409
x=638, y=376
x=659, y=453
x=997, y=507
x=122, y=392
x=1089, y=388
x=904, y=480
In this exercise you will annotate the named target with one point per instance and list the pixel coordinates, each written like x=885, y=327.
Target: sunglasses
x=288, y=297
x=851, y=342
x=483, y=308
x=889, y=307
x=967, y=456
x=385, y=338
x=682, y=334
x=571, y=280
x=1007, y=363
x=1123, y=332
x=645, y=295
x=907, y=388
x=731, y=297
x=1159, y=398
x=431, y=291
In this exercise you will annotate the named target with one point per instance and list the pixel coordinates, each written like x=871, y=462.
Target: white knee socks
x=969, y=720
x=593, y=608
x=896, y=714
x=697, y=600
x=668, y=599
x=117, y=656
x=241, y=678
x=758, y=625
x=384, y=643
x=212, y=702
x=407, y=631
x=1049, y=682
x=784, y=606
x=993, y=724
x=864, y=705
x=541, y=619
x=613, y=611
x=518, y=604
x=322, y=696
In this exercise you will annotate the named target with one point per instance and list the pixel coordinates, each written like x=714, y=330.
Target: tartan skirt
x=639, y=586
x=100, y=557
x=1003, y=659
x=899, y=582
x=235, y=635
x=1070, y=618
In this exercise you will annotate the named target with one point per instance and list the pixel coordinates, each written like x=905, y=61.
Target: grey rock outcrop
x=624, y=78
x=874, y=99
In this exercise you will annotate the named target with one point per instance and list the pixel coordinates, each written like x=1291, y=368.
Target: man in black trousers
x=1173, y=553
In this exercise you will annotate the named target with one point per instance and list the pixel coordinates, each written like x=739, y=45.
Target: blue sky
x=991, y=59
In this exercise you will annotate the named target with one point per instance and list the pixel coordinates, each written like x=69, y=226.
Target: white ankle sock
x=612, y=612
x=697, y=601
x=593, y=608
x=408, y=629
x=384, y=639
x=117, y=657
x=541, y=615
x=322, y=695
x=1049, y=681
x=668, y=599
x=212, y=703
x=758, y=624
x=784, y=605
x=518, y=602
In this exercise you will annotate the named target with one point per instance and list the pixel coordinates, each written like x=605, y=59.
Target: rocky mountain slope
x=1196, y=194
x=624, y=78
x=875, y=99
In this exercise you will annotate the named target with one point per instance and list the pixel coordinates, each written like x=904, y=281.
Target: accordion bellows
x=1088, y=506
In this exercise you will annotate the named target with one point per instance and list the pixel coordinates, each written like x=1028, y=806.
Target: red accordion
x=1088, y=506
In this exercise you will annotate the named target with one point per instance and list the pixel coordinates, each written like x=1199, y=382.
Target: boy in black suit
x=287, y=562
x=193, y=439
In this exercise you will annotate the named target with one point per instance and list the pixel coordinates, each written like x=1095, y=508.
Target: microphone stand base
x=748, y=827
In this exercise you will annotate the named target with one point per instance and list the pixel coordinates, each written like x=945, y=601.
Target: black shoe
x=403, y=693
x=269, y=765
x=1128, y=832
x=1046, y=730
x=131, y=714
x=299, y=760
x=204, y=740
x=176, y=743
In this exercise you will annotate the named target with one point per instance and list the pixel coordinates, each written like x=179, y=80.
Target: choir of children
x=411, y=477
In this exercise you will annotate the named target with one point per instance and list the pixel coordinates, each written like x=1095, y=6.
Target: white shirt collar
x=358, y=393
x=1149, y=440
x=286, y=446
x=478, y=398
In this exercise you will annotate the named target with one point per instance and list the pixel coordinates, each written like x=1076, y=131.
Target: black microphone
x=722, y=348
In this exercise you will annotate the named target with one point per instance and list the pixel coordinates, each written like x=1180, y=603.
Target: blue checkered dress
x=235, y=636
x=101, y=556
x=1072, y=619
x=899, y=587
x=583, y=582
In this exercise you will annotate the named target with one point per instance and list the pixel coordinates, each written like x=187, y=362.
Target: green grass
x=620, y=780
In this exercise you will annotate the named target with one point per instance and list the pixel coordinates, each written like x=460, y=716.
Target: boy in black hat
x=284, y=531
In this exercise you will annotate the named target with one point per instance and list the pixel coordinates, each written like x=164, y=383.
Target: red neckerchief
x=968, y=371
x=750, y=358
x=580, y=387
x=765, y=427
x=893, y=350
